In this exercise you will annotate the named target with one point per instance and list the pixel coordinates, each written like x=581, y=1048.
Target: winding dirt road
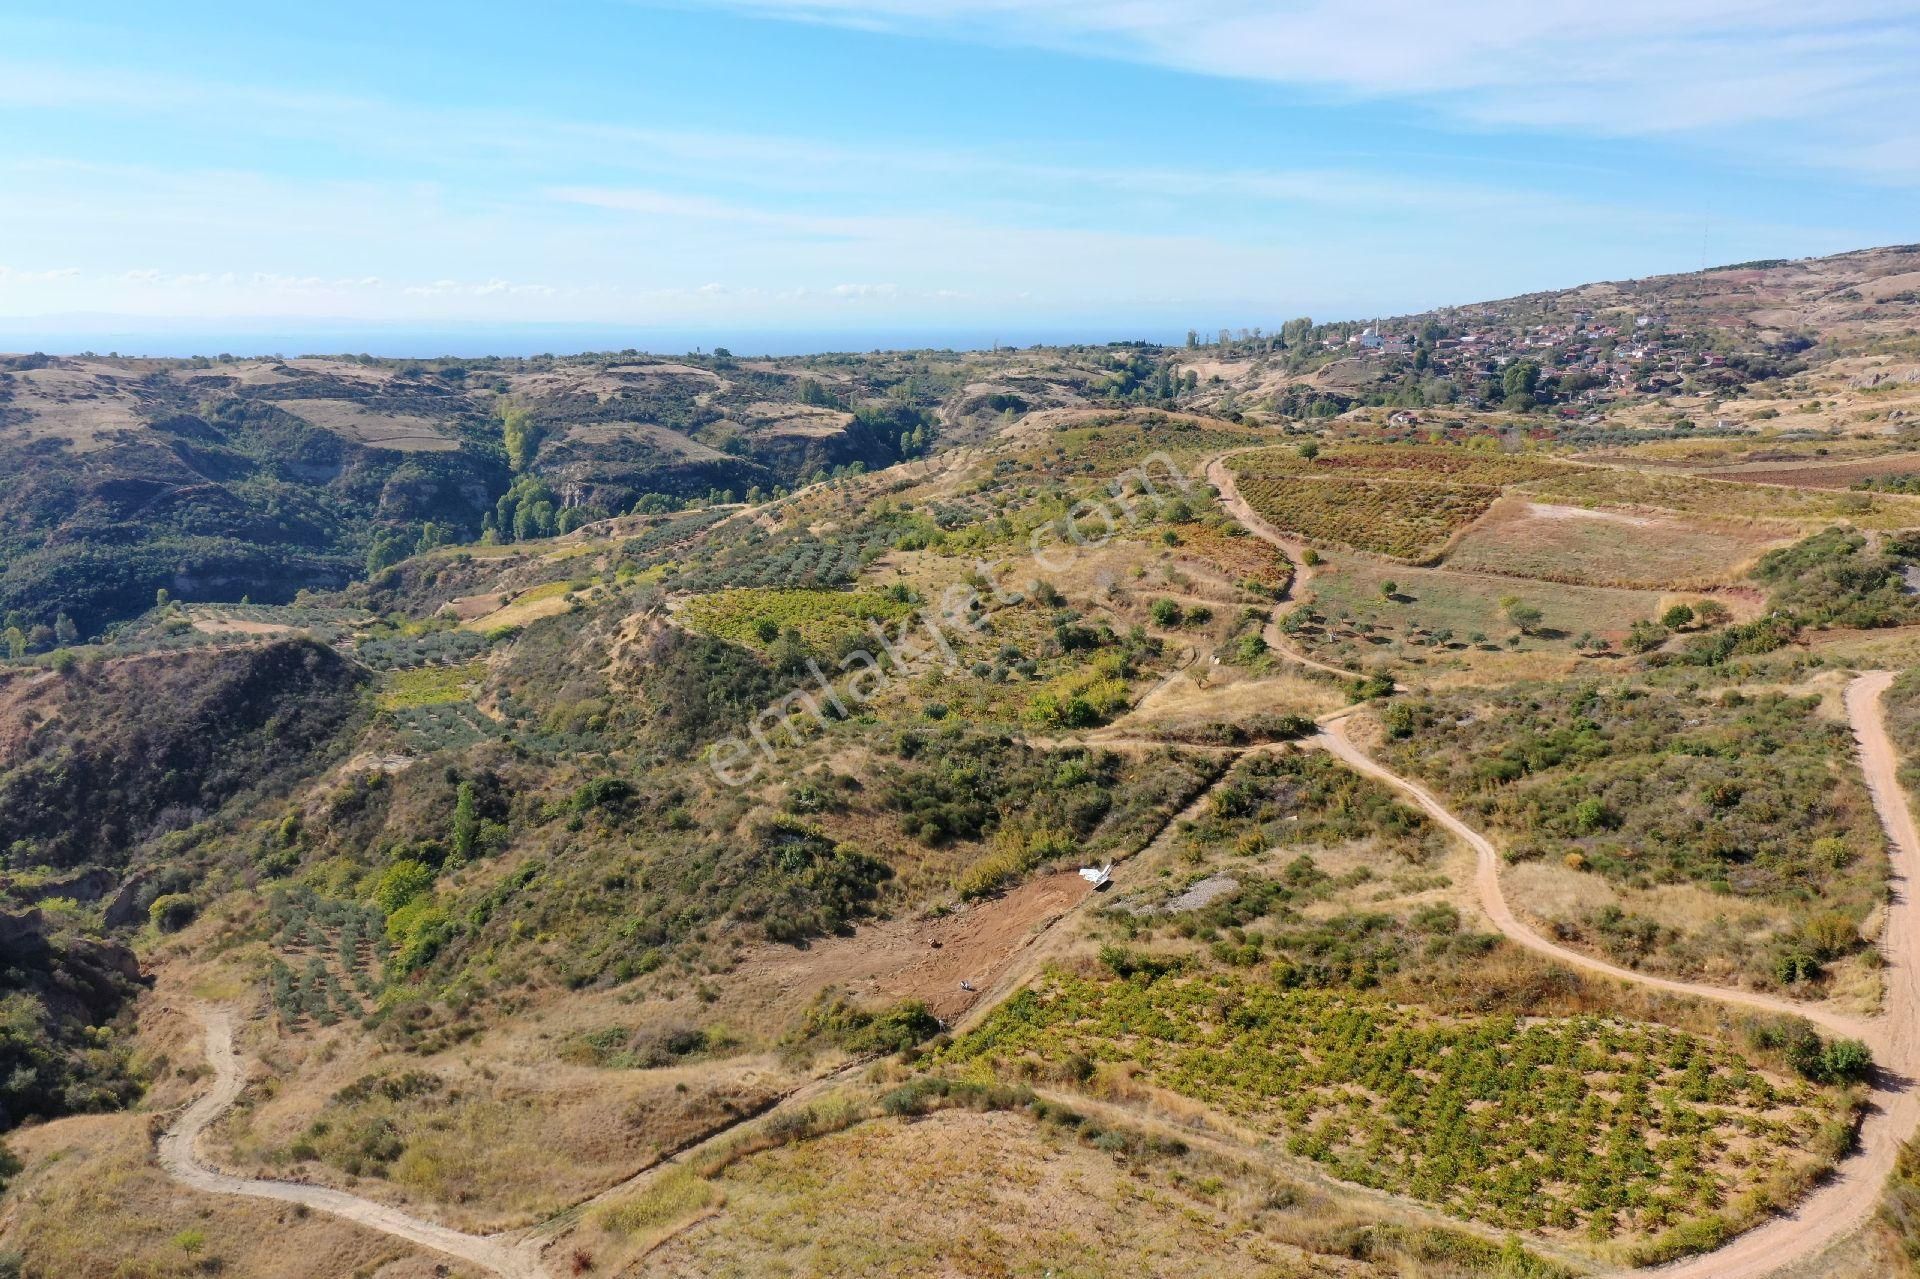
x=1838, y=1206
x=1834, y=1209
x=1847, y=1197
x=1333, y=738
x=178, y=1155
x=1220, y=475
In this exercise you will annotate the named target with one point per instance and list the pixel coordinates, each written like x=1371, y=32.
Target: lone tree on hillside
x=1677, y=618
x=1522, y=614
x=1711, y=613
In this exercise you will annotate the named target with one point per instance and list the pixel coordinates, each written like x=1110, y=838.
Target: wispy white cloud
x=320, y=204
x=1840, y=73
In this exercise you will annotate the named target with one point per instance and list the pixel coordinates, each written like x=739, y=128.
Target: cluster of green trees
x=388, y=546
x=881, y=434
x=1647, y=634
x=20, y=636
x=1170, y=613
x=1138, y=377
x=520, y=435
x=530, y=509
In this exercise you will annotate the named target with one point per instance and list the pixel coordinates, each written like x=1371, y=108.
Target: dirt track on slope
x=1845, y=1200
x=914, y=958
x=1841, y=1204
x=182, y=1162
x=1220, y=475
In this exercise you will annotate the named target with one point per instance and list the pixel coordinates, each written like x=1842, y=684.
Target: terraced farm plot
x=401, y=432
x=549, y=599
x=1724, y=499
x=1245, y=559
x=1405, y=519
x=1817, y=473
x=796, y=558
x=1605, y=548
x=432, y=707
x=443, y=726
x=1453, y=465
x=1564, y=1124
x=821, y=617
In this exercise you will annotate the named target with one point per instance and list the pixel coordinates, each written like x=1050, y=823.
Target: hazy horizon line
x=479, y=340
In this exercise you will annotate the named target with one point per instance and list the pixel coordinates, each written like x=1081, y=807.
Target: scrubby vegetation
x=1750, y=796
x=68, y=997
x=461, y=827
x=1303, y=798
x=1833, y=579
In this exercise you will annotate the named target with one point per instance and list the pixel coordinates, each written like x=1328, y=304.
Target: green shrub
x=171, y=912
x=868, y=1031
x=400, y=883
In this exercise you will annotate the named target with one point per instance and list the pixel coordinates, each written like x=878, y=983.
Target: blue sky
x=881, y=166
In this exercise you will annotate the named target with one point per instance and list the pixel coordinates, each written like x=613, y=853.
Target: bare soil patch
x=924, y=959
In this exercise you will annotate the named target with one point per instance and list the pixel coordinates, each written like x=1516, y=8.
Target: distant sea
x=70, y=335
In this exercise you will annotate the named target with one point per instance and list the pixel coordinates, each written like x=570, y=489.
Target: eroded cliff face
x=61, y=986
x=98, y=763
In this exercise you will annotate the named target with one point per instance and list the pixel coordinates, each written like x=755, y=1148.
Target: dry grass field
x=979, y=1194
x=491, y=1144
x=1757, y=448
x=1725, y=499
x=401, y=432
x=1598, y=547
x=68, y=403
x=90, y=1201
x=1437, y=615
x=526, y=606
x=1821, y=474
x=995, y=1194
